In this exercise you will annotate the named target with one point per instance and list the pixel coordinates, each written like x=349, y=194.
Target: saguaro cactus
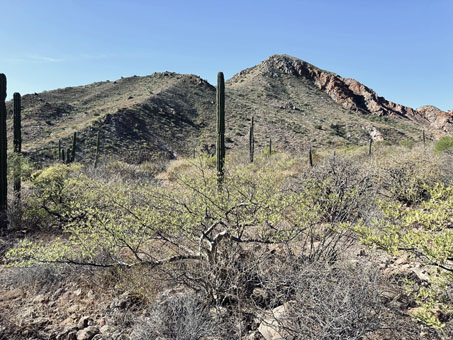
x=17, y=142
x=74, y=144
x=251, y=142
x=63, y=156
x=98, y=146
x=3, y=148
x=68, y=156
x=424, y=138
x=270, y=146
x=310, y=156
x=60, y=154
x=220, y=145
x=370, y=142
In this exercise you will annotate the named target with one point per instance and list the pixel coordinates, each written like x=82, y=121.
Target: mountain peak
x=349, y=93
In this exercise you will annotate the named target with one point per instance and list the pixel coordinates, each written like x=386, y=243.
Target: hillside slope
x=166, y=114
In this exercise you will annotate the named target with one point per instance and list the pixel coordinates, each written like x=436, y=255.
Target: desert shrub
x=405, y=176
x=37, y=279
x=407, y=143
x=341, y=189
x=331, y=303
x=26, y=167
x=123, y=170
x=425, y=232
x=188, y=223
x=152, y=168
x=316, y=300
x=176, y=317
x=445, y=144
x=177, y=168
x=45, y=197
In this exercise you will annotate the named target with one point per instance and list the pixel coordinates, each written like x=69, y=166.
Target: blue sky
x=403, y=49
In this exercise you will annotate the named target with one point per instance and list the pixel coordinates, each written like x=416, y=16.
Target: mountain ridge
x=350, y=93
x=166, y=114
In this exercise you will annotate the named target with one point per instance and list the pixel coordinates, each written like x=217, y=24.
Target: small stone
x=403, y=259
x=105, y=329
x=415, y=311
x=67, y=323
x=41, y=299
x=87, y=333
x=73, y=308
x=84, y=321
x=271, y=328
x=101, y=322
x=421, y=274
x=91, y=295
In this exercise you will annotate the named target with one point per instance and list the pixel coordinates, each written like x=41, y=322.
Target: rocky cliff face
x=438, y=119
x=352, y=95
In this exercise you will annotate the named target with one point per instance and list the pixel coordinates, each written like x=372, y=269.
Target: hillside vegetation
x=331, y=216
x=276, y=251
x=167, y=115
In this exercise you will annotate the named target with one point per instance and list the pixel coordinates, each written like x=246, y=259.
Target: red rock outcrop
x=351, y=94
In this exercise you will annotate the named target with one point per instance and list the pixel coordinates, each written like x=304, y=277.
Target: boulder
x=273, y=324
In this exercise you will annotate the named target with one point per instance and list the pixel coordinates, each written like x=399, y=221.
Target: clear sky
x=403, y=49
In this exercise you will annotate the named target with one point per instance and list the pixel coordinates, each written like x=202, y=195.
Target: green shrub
x=445, y=144
x=407, y=143
x=425, y=232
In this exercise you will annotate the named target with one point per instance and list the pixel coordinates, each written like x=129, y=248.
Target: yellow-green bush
x=425, y=231
x=444, y=144
x=130, y=224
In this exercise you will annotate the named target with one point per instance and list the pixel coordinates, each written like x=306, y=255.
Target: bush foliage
x=222, y=242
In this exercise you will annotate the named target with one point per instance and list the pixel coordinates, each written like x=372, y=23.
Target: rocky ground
x=84, y=304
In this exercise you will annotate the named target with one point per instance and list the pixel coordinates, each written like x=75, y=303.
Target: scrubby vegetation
x=276, y=248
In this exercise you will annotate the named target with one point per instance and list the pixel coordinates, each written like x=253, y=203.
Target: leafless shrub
x=344, y=189
x=177, y=317
x=405, y=176
x=37, y=279
x=324, y=302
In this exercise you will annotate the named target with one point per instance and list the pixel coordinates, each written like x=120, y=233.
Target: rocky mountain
x=164, y=115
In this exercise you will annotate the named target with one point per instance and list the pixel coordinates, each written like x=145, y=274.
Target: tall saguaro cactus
x=3, y=148
x=220, y=145
x=74, y=144
x=98, y=146
x=251, y=141
x=60, y=155
x=370, y=143
x=68, y=156
x=270, y=146
x=17, y=139
x=310, y=156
